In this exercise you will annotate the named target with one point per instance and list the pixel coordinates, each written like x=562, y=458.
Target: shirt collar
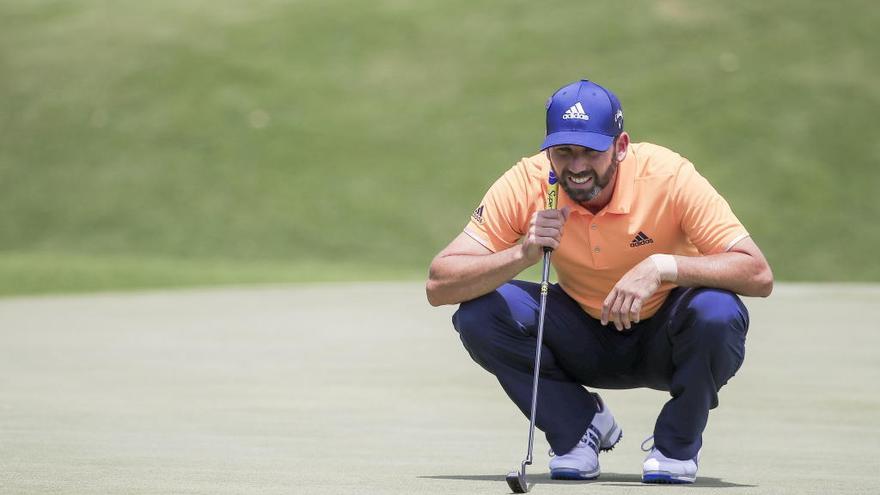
x=621, y=200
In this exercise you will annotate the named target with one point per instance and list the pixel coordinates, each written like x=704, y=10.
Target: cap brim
x=591, y=140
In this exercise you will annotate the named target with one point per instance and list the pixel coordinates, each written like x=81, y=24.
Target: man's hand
x=624, y=303
x=545, y=230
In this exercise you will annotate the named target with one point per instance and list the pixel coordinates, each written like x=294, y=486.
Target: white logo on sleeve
x=575, y=112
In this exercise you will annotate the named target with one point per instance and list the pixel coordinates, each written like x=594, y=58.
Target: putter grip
x=552, y=195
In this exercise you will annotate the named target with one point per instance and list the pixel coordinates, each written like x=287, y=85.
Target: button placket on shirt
x=595, y=237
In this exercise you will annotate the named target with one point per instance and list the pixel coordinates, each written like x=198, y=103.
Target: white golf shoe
x=582, y=462
x=658, y=468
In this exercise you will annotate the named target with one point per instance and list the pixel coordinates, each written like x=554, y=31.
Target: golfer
x=649, y=258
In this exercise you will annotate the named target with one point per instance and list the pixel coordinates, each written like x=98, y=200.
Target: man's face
x=583, y=172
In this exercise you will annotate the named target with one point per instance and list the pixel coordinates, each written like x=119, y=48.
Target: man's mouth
x=580, y=181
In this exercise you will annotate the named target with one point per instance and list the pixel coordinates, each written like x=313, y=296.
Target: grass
x=36, y=273
x=179, y=143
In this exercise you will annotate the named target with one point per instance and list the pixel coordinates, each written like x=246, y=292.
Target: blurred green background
x=173, y=143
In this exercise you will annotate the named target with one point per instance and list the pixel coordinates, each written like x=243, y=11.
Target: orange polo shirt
x=660, y=204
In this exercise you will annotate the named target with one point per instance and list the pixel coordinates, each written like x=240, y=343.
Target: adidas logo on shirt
x=477, y=215
x=640, y=240
x=575, y=112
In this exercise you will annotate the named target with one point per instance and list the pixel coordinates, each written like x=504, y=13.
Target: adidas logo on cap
x=575, y=112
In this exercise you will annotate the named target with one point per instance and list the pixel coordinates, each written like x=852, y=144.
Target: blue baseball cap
x=585, y=114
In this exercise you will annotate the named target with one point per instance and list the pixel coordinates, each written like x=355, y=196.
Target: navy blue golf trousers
x=691, y=347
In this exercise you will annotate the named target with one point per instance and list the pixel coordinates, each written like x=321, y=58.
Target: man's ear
x=623, y=146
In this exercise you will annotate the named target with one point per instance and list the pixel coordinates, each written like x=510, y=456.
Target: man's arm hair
x=742, y=269
x=466, y=269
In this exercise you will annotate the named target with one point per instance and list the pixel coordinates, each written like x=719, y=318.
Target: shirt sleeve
x=705, y=216
x=502, y=218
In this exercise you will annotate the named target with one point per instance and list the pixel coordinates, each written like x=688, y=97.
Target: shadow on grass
x=607, y=479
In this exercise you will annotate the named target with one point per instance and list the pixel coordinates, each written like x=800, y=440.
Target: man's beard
x=583, y=195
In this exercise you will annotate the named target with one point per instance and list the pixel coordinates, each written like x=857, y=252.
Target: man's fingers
x=552, y=215
x=621, y=308
x=610, y=308
x=547, y=228
x=549, y=223
x=548, y=218
x=625, y=315
x=616, y=311
x=549, y=242
x=615, y=317
x=606, y=306
x=636, y=310
x=548, y=231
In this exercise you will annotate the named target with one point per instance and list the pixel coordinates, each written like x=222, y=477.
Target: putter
x=517, y=479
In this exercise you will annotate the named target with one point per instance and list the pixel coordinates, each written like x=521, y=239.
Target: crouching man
x=649, y=258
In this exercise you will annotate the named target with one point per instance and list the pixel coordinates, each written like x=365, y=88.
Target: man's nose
x=579, y=165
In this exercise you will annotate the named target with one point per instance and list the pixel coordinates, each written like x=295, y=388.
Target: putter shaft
x=545, y=278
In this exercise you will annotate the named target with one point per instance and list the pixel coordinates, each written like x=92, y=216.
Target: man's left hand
x=624, y=303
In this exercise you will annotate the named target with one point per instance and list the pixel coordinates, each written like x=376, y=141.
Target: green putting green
x=364, y=388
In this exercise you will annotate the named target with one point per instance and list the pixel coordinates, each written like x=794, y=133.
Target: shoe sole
x=572, y=474
x=613, y=437
x=666, y=478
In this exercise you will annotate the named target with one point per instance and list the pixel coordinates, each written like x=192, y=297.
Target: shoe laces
x=591, y=439
x=600, y=407
x=645, y=441
x=696, y=459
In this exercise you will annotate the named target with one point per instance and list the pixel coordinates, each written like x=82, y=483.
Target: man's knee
x=475, y=320
x=488, y=332
x=710, y=335
x=719, y=313
x=718, y=324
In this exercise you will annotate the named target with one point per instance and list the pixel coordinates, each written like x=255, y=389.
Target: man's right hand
x=545, y=230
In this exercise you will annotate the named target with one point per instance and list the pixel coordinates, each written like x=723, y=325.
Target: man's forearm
x=455, y=278
x=735, y=271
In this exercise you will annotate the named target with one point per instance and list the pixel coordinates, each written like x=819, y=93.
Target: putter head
x=517, y=482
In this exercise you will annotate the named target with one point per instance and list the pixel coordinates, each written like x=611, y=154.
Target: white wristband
x=666, y=265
